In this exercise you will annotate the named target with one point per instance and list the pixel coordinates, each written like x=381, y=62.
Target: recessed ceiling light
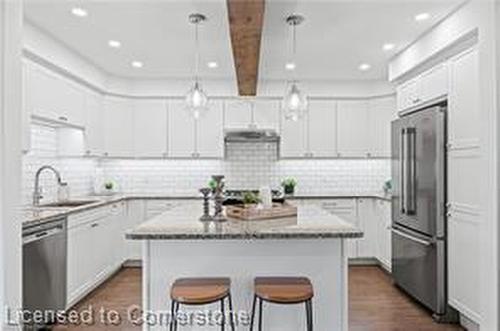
x=422, y=17
x=388, y=47
x=290, y=66
x=212, y=64
x=79, y=12
x=364, y=67
x=114, y=43
x=137, y=64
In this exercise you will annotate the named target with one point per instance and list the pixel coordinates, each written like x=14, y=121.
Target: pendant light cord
x=197, y=52
x=294, y=51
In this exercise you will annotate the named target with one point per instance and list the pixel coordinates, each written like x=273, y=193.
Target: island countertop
x=184, y=224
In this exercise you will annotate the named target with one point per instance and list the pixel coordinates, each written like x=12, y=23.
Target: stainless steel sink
x=68, y=204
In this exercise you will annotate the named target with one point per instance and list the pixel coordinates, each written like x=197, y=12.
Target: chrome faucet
x=37, y=192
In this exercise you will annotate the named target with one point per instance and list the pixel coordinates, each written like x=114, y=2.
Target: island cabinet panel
x=352, y=128
x=322, y=261
x=119, y=127
x=150, y=128
x=381, y=112
x=322, y=129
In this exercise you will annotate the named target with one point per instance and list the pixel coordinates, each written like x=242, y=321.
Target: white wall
x=10, y=157
x=476, y=16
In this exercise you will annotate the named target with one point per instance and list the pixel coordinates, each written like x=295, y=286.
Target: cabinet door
x=433, y=83
x=352, y=128
x=119, y=124
x=322, y=130
x=181, y=131
x=40, y=92
x=210, y=133
x=266, y=114
x=150, y=128
x=368, y=223
x=237, y=114
x=407, y=95
x=381, y=112
x=94, y=124
x=384, y=237
x=79, y=262
x=293, y=138
x=70, y=101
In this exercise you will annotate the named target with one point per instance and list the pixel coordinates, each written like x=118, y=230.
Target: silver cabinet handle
x=63, y=118
x=94, y=225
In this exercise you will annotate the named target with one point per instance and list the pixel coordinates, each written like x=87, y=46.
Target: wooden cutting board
x=252, y=212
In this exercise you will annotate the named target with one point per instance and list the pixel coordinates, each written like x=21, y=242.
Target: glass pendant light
x=196, y=100
x=294, y=102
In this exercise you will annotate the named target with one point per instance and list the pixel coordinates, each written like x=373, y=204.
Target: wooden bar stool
x=200, y=291
x=285, y=291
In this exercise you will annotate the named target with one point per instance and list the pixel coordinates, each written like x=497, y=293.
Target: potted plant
x=250, y=198
x=109, y=187
x=289, y=185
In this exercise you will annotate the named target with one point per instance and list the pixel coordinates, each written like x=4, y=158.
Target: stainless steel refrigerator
x=419, y=207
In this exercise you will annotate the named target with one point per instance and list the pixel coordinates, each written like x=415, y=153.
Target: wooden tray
x=251, y=212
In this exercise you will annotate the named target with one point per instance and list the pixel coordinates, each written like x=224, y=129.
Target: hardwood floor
x=374, y=303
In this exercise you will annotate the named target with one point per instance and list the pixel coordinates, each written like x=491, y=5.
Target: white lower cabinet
x=95, y=249
x=367, y=220
x=383, y=216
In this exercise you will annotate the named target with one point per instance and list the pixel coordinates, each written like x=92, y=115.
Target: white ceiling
x=335, y=38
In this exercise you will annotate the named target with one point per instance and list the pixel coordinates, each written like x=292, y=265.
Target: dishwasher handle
x=42, y=234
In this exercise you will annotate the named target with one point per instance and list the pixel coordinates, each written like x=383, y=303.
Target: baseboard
x=363, y=261
x=468, y=324
x=132, y=264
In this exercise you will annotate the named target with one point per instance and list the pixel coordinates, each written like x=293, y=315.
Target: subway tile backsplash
x=246, y=166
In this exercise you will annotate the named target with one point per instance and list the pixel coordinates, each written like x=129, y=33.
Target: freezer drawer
x=418, y=267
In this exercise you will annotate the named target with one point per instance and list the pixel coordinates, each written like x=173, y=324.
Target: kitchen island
x=176, y=244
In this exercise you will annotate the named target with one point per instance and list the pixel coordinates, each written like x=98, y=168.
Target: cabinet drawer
x=88, y=216
x=156, y=207
x=335, y=204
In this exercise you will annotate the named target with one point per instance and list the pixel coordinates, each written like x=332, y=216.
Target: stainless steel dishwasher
x=44, y=267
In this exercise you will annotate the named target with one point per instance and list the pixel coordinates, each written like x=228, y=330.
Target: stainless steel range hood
x=251, y=136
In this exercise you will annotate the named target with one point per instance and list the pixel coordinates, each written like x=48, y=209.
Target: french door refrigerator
x=419, y=207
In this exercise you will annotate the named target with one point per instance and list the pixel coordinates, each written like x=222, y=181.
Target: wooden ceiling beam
x=246, y=21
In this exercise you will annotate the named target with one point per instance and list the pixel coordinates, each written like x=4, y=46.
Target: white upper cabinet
x=181, y=131
x=293, y=138
x=119, y=127
x=53, y=97
x=94, y=124
x=381, y=112
x=352, y=128
x=426, y=87
x=322, y=129
x=266, y=114
x=26, y=115
x=434, y=83
x=237, y=114
x=150, y=128
x=210, y=133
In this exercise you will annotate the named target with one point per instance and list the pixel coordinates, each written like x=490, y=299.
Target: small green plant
x=289, y=185
x=250, y=198
x=212, y=184
x=109, y=185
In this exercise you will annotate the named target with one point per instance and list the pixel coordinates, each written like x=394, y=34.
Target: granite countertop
x=36, y=215
x=184, y=224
